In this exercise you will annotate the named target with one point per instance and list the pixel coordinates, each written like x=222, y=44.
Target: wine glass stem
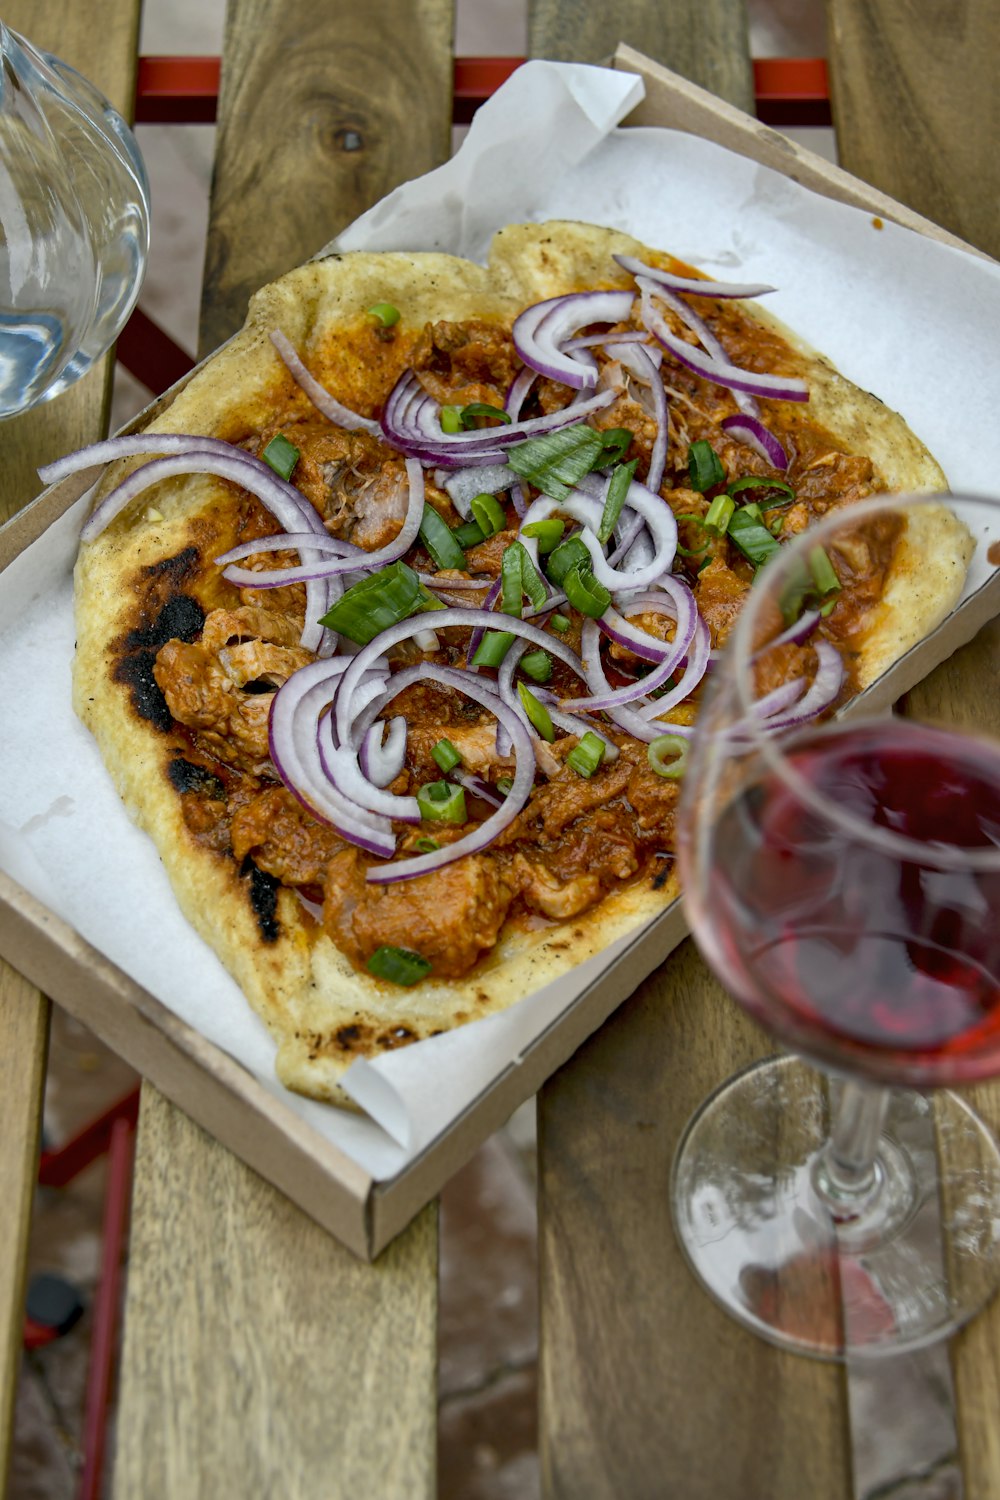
x=847, y=1174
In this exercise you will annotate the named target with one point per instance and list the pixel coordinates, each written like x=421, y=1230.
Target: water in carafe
x=74, y=224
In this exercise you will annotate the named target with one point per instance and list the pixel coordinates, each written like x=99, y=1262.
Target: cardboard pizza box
x=270, y=1130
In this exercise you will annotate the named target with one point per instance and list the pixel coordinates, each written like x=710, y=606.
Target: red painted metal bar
x=60, y=1166
x=185, y=90
x=107, y=1308
x=149, y=353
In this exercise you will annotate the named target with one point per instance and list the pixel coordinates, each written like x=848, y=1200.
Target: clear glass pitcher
x=74, y=224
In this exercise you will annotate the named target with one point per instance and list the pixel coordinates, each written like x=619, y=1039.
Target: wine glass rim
x=772, y=745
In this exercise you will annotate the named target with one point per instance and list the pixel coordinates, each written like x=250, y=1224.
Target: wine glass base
x=915, y=1263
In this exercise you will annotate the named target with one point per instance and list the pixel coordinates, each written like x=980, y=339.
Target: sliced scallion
x=667, y=756
x=386, y=314
x=488, y=514
x=569, y=554
x=618, y=488
x=587, y=755
x=439, y=539
x=451, y=419
x=376, y=602
x=718, y=515
x=557, y=461
x=476, y=409
x=585, y=592
x=752, y=537
x=399, y=965
x=705, y=469
x=281, y=455
x=616, y=442
x=445, y=755
x=559, y=623
x=493, y=648
x=783, y=492
x=537, y=712
x=547, y=534
x=442, y=802
x=469, y=534
x=537, y=665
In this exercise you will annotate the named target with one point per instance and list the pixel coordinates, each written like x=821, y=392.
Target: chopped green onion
x=537, y=712
x=446, y=756
x=469, y=534
x=705, y=469
x=560, y=623
x=531, y=580
x=451, y=418
x=752, y=537
x=667, y=756
x=442, y=802
x=376, y=602
x=585, y=593
x=400, y=965
x=476, y=409
x=537, y=665
x=691, y=551
x=616, y=441
x=489, y=514
x=569, y=554
x=556, y=462
x=428, y=601
x=614, y=500
x=493, y=648
x=822, y=570
x=777, y=526
x=758, y=482
x=385, y=312
x=511, y=591
x=504, y=784
x=426, y=846
x=547, y=533
x=753, y=510
x=718, y=515
x=687, y=515
x=587, y=755
x=439, y=539
x=281, y=455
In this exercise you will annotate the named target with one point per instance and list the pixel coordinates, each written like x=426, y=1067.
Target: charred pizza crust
x=320, y=1009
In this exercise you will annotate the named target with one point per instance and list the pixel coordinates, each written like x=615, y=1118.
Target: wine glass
x=842, y=878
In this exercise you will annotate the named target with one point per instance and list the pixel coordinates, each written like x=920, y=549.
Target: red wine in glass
x=857, y=954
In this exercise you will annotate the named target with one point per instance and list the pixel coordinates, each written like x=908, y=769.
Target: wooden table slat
x=241, y=1311
x=344, y=103
x=261, y=1358
x=703, y=40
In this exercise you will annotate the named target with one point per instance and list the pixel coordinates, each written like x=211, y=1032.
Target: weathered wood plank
x=648, y=1388
x=107, y=55
x=24, y=1028
x=915, y=103
x=965, y=693
x=260, y=1357
x=346, y=101
x=703, y=40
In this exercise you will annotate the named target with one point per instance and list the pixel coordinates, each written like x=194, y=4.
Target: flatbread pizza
x=391, y=628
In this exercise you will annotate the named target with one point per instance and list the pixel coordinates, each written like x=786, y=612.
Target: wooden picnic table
x=260, y=1357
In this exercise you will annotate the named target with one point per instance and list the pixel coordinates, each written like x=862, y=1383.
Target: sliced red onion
x=192, y=456
x=518, y=393
x=643, y=367
x=426, y=640
x=320, y=397
x=541, y=330
x=475, y=640
x=382, y=755
x=342, y=767
x=296, y=710
x=574, y=724
x=412, y=422
x=751, y=431
x=331, y=567
x=436, y=581
x=695, y=287
x=695, y=666
x=626, y=718
x=131, y=446
x=519, y=497
x=477, y=787
x=524, y=775
x=719, y=370
x=695, y=649
x=798, y=632
x=346, y=712
x=676, y=601
x=312, y=907
x=294, y=541
x=822, y=690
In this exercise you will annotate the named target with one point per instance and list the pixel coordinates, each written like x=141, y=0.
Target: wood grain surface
x=703, y=40
x=917, y=111
x=105, y=54
x=24, y=1029
x=260, y=1358
x=324, y=108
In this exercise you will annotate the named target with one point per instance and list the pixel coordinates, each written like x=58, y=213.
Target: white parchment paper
x=908, y=318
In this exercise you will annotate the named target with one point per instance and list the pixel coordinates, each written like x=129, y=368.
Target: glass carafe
x=74, y=224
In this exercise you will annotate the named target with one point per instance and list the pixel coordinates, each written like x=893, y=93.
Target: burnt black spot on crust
x=176, y=568
x=263, y=891
x=398, y=1036
x=136, y=673
x=180, y=619
x=346, y=1037
x=186, y=776
x=663, y=874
